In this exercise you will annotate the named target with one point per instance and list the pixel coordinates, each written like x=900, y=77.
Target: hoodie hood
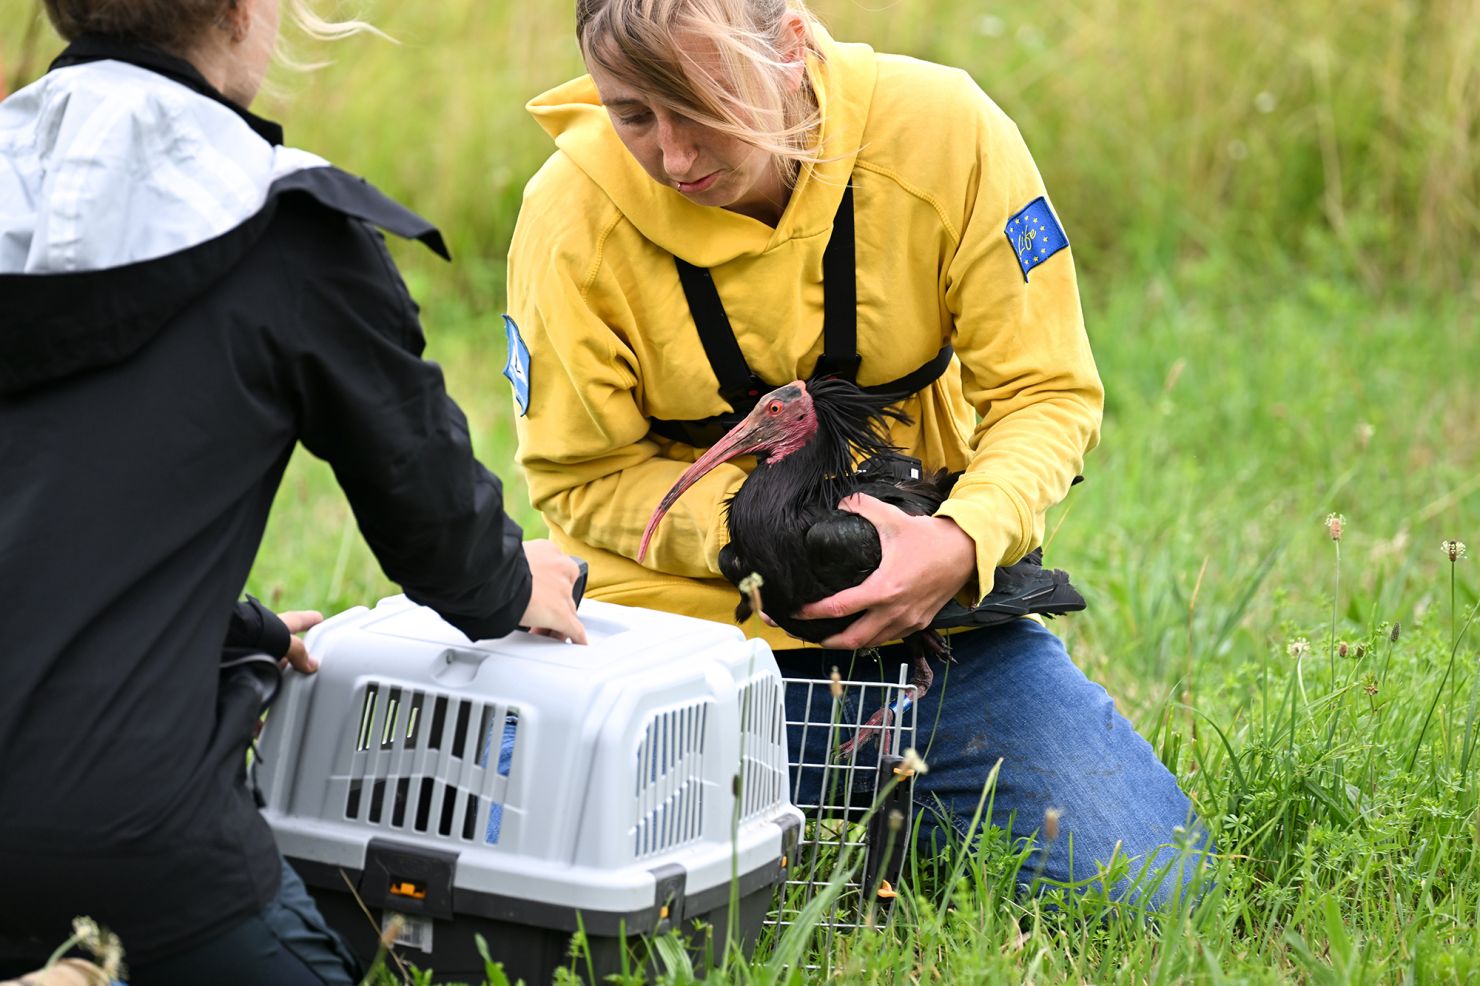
x=106, y=163
x=128, y=186
x=843, y=82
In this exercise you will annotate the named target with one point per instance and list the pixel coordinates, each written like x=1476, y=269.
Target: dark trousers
x=286, y=944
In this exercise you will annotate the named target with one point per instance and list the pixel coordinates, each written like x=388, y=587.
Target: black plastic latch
x=669, y=882
x=408, y=879
x=791, y=838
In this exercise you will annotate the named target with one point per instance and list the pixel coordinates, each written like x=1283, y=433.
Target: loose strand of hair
x=317, y=28
x=634, y=40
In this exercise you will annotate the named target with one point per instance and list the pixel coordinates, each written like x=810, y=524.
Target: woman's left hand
x=925, y=561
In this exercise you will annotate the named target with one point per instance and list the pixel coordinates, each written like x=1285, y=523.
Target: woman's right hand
x=552, y=607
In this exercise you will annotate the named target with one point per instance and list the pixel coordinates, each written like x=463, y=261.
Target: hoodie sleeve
x=253, y=628
x=583, y=442
x=398, y=444
x=1026, y=361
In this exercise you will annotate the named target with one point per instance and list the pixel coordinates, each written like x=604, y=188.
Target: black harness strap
x=917, y=379
x=739, y=385
x=840, y=298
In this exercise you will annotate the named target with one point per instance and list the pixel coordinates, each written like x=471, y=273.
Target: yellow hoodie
x=938, y=172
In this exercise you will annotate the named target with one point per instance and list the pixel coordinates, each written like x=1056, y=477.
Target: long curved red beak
x=782, y=422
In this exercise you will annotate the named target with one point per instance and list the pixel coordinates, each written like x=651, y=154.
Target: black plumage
x=785, y=523
x=785, y=526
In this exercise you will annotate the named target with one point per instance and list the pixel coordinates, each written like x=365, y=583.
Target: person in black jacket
x=182, y=299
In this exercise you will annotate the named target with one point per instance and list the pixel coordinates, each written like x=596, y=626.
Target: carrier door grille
x=763, y=769
x=670, y=780
x=431, y=763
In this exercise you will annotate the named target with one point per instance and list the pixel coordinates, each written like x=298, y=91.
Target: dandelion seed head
x=89, y=935
x=751, y=586
x=392, y=930
x=102, y=944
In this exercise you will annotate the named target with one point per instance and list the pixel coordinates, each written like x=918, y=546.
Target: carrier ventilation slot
x=424, y=762
x=670, y=780
x=763, y=769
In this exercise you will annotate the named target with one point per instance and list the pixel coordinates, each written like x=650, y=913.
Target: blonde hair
x=748, y=94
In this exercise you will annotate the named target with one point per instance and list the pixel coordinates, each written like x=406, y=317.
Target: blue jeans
x=1013, y=694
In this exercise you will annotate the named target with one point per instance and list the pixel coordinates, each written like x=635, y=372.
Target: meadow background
x=1275, y=209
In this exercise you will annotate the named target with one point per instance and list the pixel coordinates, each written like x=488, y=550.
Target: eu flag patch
x=1035, y=234
x=517, y=366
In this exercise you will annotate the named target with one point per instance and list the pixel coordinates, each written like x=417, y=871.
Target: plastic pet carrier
x=523, y=788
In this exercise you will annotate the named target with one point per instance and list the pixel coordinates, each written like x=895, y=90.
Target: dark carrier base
x=530, y=938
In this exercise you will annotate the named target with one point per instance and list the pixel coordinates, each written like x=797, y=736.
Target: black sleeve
x=381, y=416
x=255, y=629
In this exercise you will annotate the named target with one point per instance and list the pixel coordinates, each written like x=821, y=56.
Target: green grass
x=1236, y=424
x=1276, y=211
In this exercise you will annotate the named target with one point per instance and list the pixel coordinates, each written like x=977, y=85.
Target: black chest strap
x=739, y=386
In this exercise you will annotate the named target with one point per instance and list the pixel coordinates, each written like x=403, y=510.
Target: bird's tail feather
x=1020, y=589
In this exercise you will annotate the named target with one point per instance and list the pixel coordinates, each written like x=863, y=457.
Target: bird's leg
x=923, y=646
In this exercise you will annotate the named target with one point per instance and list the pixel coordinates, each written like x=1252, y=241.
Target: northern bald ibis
x=809, y=439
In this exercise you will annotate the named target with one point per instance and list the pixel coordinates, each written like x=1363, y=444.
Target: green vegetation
x=1276, y=214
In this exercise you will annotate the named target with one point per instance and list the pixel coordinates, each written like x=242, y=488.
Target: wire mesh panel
x=848, y=780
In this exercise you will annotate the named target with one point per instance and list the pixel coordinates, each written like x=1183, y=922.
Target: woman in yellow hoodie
x=722, y=136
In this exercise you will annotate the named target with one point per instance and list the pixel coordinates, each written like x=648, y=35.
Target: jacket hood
x=106, y=163
x=843, y=81
x=128, y=186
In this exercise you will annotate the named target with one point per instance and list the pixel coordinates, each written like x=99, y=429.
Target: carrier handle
x=579, y=589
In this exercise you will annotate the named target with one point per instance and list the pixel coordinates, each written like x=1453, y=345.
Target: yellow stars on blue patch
x=516, y=367
x=1035, y=234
